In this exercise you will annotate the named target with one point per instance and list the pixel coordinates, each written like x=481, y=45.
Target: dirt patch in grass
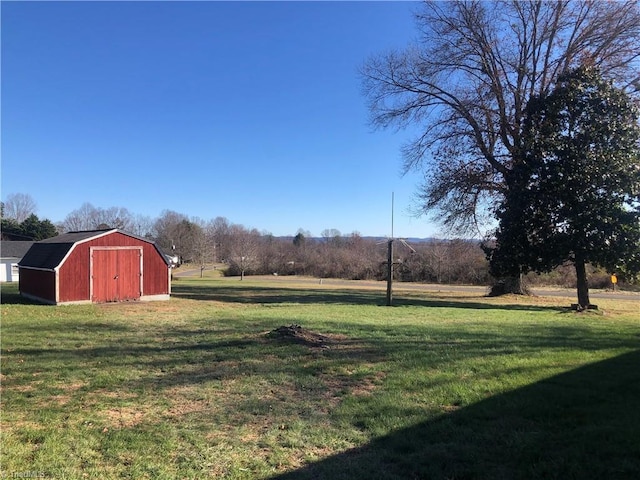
x=21, y=388
x=337, y=384
x=71, y=387
x=124, y=417
x=61, y=399
x=297, y=334
x=185, y=407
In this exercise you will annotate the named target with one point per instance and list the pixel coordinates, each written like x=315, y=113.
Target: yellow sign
x=614, y=279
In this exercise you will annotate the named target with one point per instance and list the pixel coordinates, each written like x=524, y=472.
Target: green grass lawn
x=442, y=386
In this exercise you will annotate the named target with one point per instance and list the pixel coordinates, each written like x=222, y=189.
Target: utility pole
x=390, y=273
x=390, y=261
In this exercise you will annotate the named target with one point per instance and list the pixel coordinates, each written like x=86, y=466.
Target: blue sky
x=248, y=110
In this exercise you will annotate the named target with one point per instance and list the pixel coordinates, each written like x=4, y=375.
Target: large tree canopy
x=465, y=84
x=575, y=196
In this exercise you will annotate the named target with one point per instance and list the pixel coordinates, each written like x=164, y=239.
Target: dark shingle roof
x=49, y=253
x=73, y=237
x=14, y=249
x=45, y=255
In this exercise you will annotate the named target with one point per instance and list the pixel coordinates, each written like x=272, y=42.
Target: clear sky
x=247, y=110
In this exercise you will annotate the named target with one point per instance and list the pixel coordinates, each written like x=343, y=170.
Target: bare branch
x=466, y=83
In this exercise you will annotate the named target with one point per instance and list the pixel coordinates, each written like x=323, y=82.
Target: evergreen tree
x=576, y=195
x=37, y=229
x=32, y=228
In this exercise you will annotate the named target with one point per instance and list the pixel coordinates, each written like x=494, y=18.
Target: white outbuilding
x=11, y=252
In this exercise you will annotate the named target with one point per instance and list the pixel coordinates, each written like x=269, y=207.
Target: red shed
x=94, y=266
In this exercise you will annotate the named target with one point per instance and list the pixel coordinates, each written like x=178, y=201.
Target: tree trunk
x=514, y=285
x=583, y=284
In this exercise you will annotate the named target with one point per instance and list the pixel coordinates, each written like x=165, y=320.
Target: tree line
x=248, y=251
x=355, y=257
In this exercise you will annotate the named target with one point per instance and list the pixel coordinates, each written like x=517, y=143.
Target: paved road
x=400, y=286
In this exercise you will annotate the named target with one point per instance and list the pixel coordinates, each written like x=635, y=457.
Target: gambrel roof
x=49, y=254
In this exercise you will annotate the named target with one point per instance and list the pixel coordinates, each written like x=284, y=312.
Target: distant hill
x=376, y=239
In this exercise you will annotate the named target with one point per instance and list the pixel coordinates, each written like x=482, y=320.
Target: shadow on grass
x=10, y=295
x=581, y=424
x=190, y=356
x=271, y=295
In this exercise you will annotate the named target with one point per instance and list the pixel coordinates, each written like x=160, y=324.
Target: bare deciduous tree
x=244, y=249
x=439, y=260
x=175, y=233
x=142, y=225
x=218, y=233
x=18, y=207
x=83, y=218
x=203, y=251
x=466, y=83
x=331, y=236
x=88, y=217
x=114, y=217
